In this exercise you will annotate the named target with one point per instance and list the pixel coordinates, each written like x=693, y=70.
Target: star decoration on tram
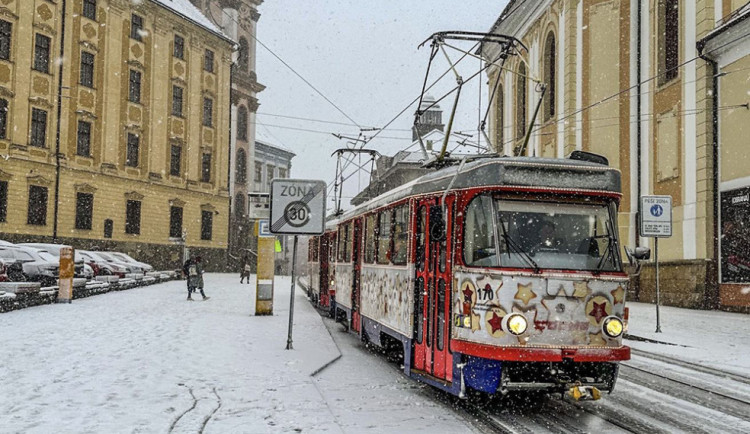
x=467, y=294
x=525, y=293
x=618, y=294
x=599, y=311
x=495, y=322
x=581, y=289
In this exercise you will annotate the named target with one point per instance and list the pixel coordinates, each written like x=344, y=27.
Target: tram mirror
x=437, y=224
x=642, y=253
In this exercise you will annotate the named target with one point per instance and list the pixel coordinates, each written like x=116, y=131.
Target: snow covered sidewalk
x=147, y=360
x=714, y=339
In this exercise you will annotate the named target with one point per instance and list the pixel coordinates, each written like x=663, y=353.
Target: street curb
x=335, y=359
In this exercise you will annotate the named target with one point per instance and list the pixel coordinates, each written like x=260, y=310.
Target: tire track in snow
x=205, y=421
x=195, y=403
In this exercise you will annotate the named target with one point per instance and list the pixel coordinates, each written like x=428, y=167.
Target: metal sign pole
x=658, y=293
x=291, y=301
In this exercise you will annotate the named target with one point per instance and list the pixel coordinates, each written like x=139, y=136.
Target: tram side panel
x=387, y=301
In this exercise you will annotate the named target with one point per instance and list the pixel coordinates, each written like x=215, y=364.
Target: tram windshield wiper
x=611, y=242
x=510, y=243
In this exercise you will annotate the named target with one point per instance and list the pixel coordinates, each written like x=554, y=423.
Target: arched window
x=241, y=167
x=244, y=57
x=550, y=69
x=242, y=123
x=521, y=102
x=239, y=205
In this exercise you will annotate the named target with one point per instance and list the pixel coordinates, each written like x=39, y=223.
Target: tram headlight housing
x=613, y=327
x=515, y=324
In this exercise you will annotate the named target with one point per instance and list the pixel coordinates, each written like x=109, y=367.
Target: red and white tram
x=498, y=274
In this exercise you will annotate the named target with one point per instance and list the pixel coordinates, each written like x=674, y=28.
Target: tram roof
x=553, y=174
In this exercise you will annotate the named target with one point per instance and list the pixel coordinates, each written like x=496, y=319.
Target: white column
x=560, y=97
x=689, y=139
x=645, y=104
x=579, y=73
x=633, y=123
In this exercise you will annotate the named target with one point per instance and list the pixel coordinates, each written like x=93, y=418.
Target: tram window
x=400, y=235
x=370, y=223
x=419, y=308
x=421, y=222
x=444, y=245
x=343, y=243
x=348, y=244
x=479, y=238
x=440, y=334
x=384, y=237
x=430, y=309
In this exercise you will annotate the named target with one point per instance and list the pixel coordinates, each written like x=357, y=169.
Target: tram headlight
x=515, y=324
x=613, y=327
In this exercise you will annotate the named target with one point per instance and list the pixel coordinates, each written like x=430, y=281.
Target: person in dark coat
x=246, y=268
x=193, y=269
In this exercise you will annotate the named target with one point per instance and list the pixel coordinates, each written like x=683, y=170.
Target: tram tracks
x=692, y=366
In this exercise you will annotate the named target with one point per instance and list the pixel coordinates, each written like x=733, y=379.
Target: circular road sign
x=657, y=210
x=297, y=214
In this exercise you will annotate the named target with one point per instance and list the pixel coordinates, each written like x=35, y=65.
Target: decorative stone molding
x=46, y=28
x=84, y=188
x=41, y=102
x=86, y=115
x=7, y=13
x=137, y=65
x=208, y=207
x=176, y=202
x=180, y=82
x=5, y=176
x=133, y=195
x=6, y=93
x=37, y=179
x=86, y=45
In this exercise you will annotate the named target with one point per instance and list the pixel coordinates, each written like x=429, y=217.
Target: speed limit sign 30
x=297, y=207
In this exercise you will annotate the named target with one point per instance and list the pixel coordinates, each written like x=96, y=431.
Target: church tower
x=430, y=120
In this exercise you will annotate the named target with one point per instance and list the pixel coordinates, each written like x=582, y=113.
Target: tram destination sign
x=297, y=207
x=656, y=216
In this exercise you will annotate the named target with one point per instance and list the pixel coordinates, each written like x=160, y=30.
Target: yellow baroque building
x=114, y=120
x=660, y=88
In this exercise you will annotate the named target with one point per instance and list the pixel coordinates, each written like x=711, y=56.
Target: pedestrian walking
x=246, y=268
x=193, y=269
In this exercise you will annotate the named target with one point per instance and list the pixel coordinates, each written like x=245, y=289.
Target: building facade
x=114, y=119
x=271, y=162
x=627, y=80
x=239, y=20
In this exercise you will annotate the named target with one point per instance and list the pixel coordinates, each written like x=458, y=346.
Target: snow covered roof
x=188, y=11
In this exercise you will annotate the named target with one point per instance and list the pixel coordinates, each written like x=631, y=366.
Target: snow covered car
x=118, y=267
x=38, y=265
x=54, y=250
x=124, y=257
x=99, y=265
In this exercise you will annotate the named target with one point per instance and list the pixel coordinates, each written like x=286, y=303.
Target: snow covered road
x=146, y=360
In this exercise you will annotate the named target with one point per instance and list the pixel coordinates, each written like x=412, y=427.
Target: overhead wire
x=306, y=81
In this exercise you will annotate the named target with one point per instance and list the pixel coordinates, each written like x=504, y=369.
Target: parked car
x=37, y=265
x=54, y=250
x=124, y=257
x=99, y=265
x=104, y=266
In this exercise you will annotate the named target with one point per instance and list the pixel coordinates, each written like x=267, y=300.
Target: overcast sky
x=363, y=56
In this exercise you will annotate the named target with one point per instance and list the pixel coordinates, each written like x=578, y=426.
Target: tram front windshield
x=541, y=235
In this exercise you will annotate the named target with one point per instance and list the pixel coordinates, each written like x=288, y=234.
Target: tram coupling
x=584, y=393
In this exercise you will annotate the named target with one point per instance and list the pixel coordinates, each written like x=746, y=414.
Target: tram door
x=324, y=241
x=356, y=273
x=432, y=289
